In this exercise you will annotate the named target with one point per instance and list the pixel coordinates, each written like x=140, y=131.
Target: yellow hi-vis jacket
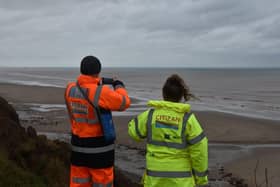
x=177, y=149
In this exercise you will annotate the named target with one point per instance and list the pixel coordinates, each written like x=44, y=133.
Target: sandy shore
x=228, y=134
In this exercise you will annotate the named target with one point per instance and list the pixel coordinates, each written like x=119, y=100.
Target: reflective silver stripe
x=168, y=144
x=122, y=107
x=169, y=174
x=81, y=120
x=96, y=101
x=79, y=112
x=90, y=150
x=97, y=185
x=72, y=92
x=75, y=92
x=85, y=120
x=200, y=174
x=93, y=121
x=149, y=126
x=184, y=126
x=97, y=95
x=102, y=185
x=197, y=139
x=137, y=129
x=78, y=180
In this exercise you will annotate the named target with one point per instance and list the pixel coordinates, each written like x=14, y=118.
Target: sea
x=247, y=92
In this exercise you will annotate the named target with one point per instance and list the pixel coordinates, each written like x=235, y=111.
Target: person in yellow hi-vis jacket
x=177, y=148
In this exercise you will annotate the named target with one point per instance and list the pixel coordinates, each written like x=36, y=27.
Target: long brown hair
x=175, y=88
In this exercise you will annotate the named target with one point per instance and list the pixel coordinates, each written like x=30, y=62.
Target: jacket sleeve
x=137, y=127
x=115, y=100
x=198, y=150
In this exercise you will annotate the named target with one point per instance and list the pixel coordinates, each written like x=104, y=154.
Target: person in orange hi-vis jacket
x=92, y=156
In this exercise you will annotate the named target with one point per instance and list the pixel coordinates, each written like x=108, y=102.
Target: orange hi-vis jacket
x=89, y=149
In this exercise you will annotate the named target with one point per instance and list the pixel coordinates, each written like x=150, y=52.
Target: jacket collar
x=179, y=107
x=85, y=79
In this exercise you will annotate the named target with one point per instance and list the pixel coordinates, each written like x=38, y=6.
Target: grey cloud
x=186, y=16
x=126, y=32
x=34, y=4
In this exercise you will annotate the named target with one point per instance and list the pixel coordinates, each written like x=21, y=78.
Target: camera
x=107, y=80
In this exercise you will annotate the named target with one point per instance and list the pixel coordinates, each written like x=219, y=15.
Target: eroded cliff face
x=28, y=159
x=34, y=160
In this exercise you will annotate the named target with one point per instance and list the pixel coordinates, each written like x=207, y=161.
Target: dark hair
x=174, y=89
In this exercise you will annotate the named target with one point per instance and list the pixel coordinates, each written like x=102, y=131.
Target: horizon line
x=159, y=67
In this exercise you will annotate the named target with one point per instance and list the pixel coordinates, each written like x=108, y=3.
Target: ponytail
x=175, y=89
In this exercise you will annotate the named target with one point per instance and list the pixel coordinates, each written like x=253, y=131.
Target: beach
x=236, y=143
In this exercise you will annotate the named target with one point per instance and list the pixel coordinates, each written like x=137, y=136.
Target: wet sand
x=253, y=166
x=226, y=132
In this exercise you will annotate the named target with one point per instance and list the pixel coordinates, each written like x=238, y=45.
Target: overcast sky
x=160, y=33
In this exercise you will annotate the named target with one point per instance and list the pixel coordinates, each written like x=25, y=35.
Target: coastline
x=223, y=129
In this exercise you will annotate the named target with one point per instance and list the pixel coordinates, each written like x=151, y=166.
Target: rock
x=227, y=175
x=221, y=170
x=123, y=179
x=11, y=133
x=31, y=132
x=7, y=111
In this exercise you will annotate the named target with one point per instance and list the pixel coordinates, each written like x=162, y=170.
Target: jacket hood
x=178, y=107
x=85, y=79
